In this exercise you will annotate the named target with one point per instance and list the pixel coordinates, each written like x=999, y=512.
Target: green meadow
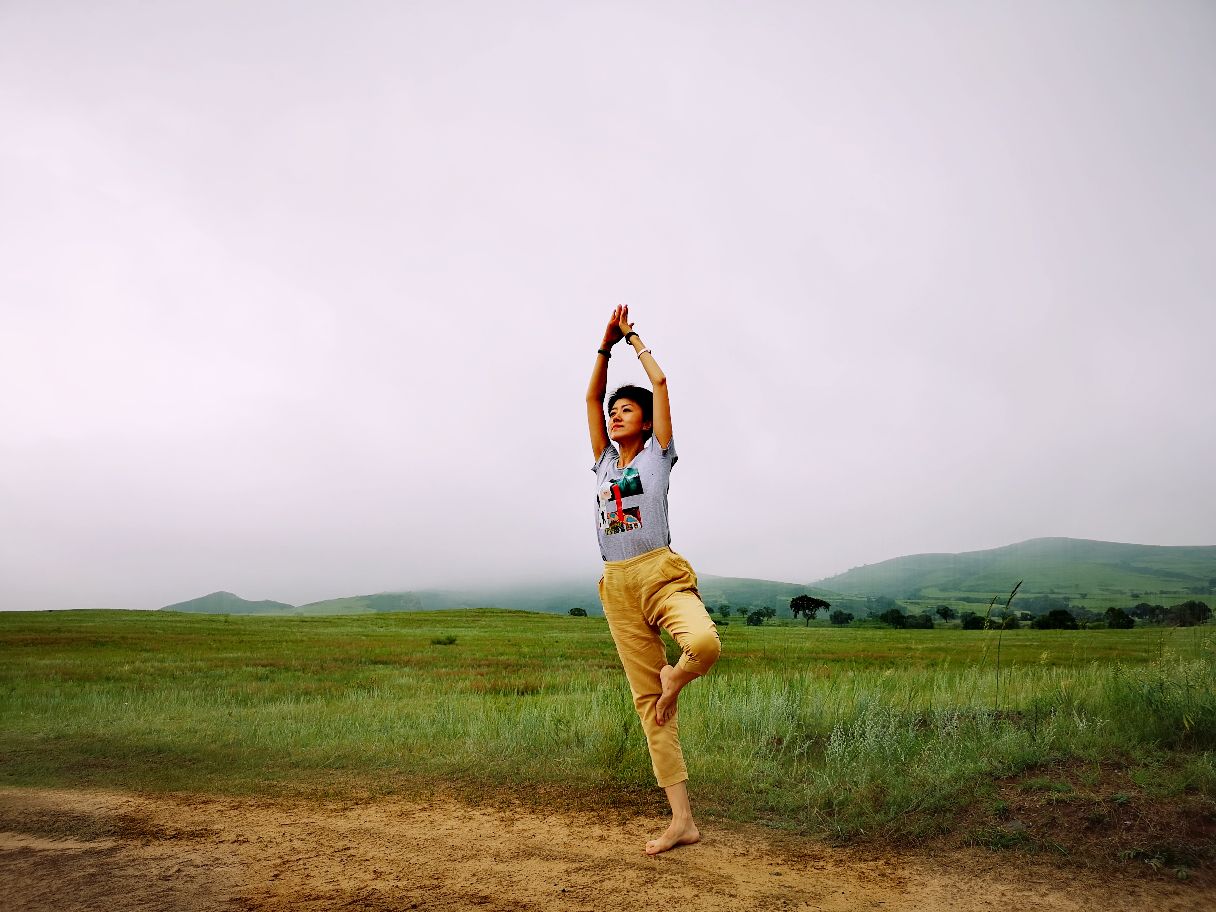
x=836, y=732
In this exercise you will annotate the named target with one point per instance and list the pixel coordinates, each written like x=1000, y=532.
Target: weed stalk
x=1005, y=617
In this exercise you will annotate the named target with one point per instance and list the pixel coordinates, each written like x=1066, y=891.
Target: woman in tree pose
x=646, y=586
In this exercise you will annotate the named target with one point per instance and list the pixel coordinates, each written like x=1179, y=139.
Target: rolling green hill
x=1047, y=565
x=227, y=603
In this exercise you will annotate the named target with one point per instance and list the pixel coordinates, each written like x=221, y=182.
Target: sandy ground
x=70, y=850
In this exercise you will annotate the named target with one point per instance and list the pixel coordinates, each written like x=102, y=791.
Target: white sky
x=301, y=300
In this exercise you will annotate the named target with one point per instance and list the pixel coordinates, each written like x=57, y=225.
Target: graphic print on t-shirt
x=626, y=521
x=630, y=483
x=614, y=517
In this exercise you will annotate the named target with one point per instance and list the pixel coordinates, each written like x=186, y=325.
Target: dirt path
x=76, y=850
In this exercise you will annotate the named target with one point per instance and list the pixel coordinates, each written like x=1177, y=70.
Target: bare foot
x=666, y=707
x=677, y=834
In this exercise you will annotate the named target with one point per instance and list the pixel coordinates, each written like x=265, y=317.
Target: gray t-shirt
x=631, y=503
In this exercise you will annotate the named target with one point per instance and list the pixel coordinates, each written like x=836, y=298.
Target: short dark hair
x=639, y=394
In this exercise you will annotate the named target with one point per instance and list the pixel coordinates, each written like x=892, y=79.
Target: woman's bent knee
x=701, y=651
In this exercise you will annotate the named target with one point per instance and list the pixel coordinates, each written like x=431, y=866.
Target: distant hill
x=556, y=598
x=227, y=603
x=1061, y=565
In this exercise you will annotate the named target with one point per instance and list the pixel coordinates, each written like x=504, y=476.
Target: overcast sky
x=301, y=300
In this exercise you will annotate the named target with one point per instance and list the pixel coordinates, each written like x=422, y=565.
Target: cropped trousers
x=641, y=596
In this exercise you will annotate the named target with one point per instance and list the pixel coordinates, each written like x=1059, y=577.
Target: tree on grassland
x=1118, y=619
x=756, y=618
x=923, y=621
x=808, y=605
x=945, y=612
x=840, y=618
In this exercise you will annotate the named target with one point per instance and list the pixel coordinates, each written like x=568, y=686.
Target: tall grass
x=829, y=731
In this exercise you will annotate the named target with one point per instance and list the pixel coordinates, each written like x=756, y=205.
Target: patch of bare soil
x=67, y=850
x=1099, y=817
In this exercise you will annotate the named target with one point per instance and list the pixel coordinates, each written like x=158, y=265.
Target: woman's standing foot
x=681, y=832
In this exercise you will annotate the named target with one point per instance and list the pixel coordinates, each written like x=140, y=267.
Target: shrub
x=1056, y=619
x=919, y=622
x=972, y=621
x=1118, y=619
x=1188, y=614
x=840, y=618
x=756, y=618
x=578, y=612
x=894, y=617
x=443, y=640
x=1153, y=614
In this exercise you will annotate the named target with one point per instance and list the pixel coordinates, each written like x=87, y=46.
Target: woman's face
x=625, y=420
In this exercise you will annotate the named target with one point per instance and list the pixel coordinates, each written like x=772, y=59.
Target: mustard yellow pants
x=641, y=595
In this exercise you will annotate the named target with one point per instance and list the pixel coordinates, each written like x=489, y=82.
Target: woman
x=646, y=586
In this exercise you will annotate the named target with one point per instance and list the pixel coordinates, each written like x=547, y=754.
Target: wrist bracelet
x=628, y=334
x=644, y=351
x=606, y=354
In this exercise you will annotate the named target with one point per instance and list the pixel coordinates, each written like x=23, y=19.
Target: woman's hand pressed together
x=623, y=326
x=613, y=333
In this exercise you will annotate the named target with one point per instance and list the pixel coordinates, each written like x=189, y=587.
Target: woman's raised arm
x=599, y=386
x=661, y=418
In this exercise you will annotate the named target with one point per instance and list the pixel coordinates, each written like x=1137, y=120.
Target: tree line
x=1053, y=615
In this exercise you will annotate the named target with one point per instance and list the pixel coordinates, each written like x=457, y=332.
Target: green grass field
x=843, y=732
